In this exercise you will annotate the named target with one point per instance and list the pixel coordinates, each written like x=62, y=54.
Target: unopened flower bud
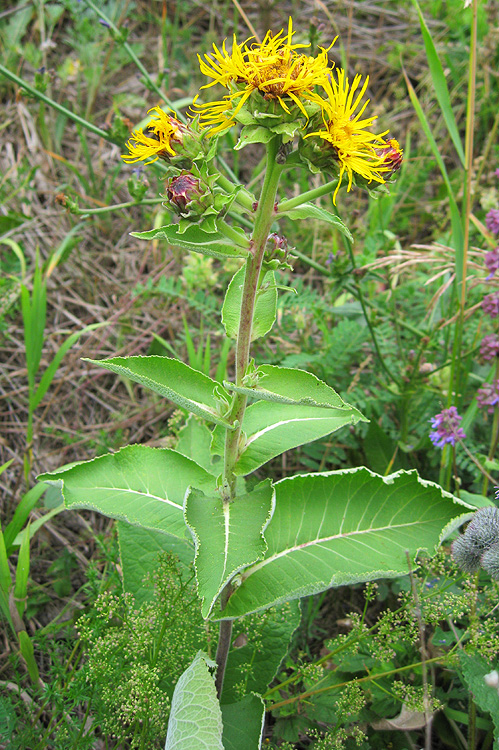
x=182, y=191
x=392, y=156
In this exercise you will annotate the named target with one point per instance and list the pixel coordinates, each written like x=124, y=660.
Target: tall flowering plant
x=255, y=544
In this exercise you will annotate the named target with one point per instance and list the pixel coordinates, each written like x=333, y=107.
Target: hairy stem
x=263, y=221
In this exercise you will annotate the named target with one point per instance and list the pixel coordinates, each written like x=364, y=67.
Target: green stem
x=263, y=221
x=360, y=297
x=133, y=56
x=358, y=681
x=115, y=207
x=494, y=438
x=59, y=107
x=309, y=195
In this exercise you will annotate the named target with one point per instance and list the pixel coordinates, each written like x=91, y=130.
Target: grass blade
x=457, y=229
x=440, y=85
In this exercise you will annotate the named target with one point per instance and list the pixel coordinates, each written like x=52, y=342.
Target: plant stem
x=59, y=107
x=120, y=38
x=309, y=195
x=263, y=221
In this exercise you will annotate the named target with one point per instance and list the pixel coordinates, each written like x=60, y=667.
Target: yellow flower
x=355, y=149
x=273, y=67
x=161, y=132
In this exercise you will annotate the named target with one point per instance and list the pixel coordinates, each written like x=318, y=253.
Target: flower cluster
x=490, y=305
x=492, y=220
x=492, y=261
x=487, y=396
x=275, y=88
x=489, y=348
x=446, y=428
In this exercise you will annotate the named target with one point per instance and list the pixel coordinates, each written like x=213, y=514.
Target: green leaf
x=253, y=134
x=140, y=485
x=194, y=442
x=243, y=723
x=195, y=716
x=265, y=307
x=139, y=550
x=174, y=380
x=311, y=211
x=21, y=513
x=28, y=653
x=474, y=668
x=338, y=528
x=5, y=582
x=22, y=574
x=228, y=536
x=287, y=385
x=252, y=667
x=271, y=429
x=216, y=244
x=440, y=85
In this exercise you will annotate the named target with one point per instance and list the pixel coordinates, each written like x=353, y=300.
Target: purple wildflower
x=492, y=220
x=496, y=173
x=492, y=261
x=488, y=396
x=490, y=305
x=446, y=428
x=489, y=348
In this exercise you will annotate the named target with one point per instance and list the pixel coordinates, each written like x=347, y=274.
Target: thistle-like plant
x=255, y=544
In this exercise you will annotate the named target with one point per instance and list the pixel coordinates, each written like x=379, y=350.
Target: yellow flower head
x=355, y=149
x=273, y=67
x=161, y=132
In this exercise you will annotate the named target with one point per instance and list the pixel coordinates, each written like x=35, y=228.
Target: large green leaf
x=243, y=723
x=272, y=428
x=342, y=527
x=228, y=536
x=139, y=550
x=195, y=717
x=287, y=385
x=311, y=211
x=260, y=643
x=173, y=379
x=193, y=238
x=140, y=485
x=265, y=306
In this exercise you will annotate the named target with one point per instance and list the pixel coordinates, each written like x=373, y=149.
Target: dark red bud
x=182, y=190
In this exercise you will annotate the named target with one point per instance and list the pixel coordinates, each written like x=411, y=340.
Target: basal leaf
x=228, y=536
x=216, y=244
x=174, y=380
x=339, y=528
x=195, y=715
x=272, y=428
x=140, y=485
x=265, y=306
